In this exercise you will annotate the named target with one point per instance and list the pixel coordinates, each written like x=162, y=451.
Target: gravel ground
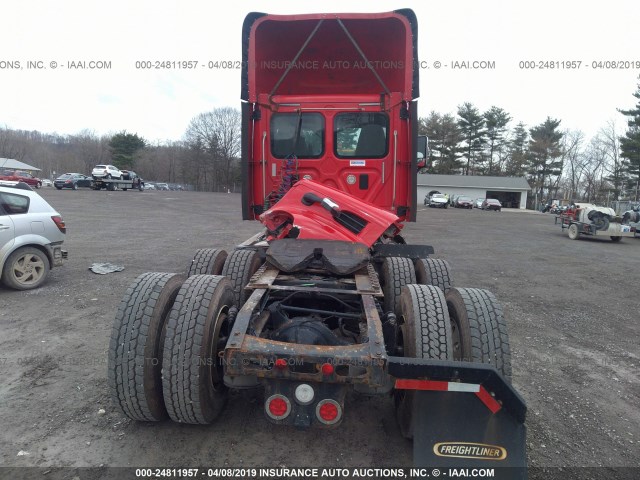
x=571, y=307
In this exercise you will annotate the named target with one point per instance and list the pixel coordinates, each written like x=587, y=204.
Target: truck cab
x=323, y=101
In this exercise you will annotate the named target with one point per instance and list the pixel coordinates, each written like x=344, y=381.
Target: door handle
x=4, y=227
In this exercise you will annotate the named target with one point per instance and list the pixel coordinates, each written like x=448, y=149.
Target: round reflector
x=328, y=411
x=278, y=407
x=304, y=394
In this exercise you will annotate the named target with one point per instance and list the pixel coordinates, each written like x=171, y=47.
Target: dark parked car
x=491, y=204
x=69, y=180
x=464, y=202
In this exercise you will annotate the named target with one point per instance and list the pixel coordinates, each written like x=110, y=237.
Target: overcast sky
x=158, y=104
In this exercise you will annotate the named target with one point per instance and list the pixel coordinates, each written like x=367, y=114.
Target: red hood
x=352, y=220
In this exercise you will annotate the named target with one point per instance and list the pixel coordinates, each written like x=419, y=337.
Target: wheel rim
x=28, y=269
x=573, y=231
x=220, y=337
x=455, y=336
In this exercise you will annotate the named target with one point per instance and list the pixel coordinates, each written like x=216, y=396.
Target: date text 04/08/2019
x=323, y=473
x=579, y=64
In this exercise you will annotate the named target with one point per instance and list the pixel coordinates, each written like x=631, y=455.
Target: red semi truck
x=328, y=296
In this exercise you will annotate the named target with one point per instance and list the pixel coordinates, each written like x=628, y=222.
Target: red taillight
x=68, y=181
x=57, y=219
x=280, y=363
x=327, y=369
x=328, y=411
x=278, y=406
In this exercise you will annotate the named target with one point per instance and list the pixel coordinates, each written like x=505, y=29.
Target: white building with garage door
x=511, y=191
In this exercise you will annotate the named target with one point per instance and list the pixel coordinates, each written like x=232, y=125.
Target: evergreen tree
x=496, y=121
x=544, y=153
x=518, y=152
x=471, y=125
x=630, y=147
x=444, y=138
x=124, y=147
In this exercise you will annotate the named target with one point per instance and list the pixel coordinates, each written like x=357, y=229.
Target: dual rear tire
x=168, y=334
x=165, y=341
x=466, y=324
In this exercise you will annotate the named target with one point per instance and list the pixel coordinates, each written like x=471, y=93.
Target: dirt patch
x=571, y=308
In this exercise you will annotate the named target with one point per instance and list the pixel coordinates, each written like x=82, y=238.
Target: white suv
x=31, y=236
x=106, y=171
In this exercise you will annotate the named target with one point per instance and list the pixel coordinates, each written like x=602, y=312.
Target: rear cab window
x=361, y=135
x=297, y=134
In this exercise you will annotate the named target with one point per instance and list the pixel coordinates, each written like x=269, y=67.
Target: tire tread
x=129, y=336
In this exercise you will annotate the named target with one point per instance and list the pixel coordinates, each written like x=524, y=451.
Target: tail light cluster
x=328, y=411
x=57, y=219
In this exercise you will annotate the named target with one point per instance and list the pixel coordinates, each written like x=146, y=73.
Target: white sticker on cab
x=357, y=163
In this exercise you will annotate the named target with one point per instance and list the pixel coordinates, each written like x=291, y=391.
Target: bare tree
x=609, y=142
x=214, y=138
x=574, y=162
x=593, y=182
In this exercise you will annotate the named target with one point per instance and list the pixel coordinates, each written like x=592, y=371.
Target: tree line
x=207, y=158
x=557, y=163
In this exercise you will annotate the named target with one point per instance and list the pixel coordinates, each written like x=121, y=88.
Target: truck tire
x=197, y=328
x=433, y=271
x=25, y=269
x=396, y=273
x=240, y=267
x=207, y=261
x=573, y=231
x=616, y=239
x=135, y=350
x=479, y=329
x=425, y=333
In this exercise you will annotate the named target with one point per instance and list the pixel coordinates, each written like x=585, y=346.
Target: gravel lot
x=572, y=309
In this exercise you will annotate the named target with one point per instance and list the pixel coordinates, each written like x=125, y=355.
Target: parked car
x=427, y=197
x=491, y=204
x=149, y=186
x=69, y=180
x=27, y=253
x=463, y=202
x=453, y=198
x=47, y=183
x=106, y=171
x=162, y=186
x=477, y=203
x=438, y=200
x=20, y=176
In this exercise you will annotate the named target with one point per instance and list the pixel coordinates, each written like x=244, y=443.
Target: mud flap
x=456, y=430
x=465, y=417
